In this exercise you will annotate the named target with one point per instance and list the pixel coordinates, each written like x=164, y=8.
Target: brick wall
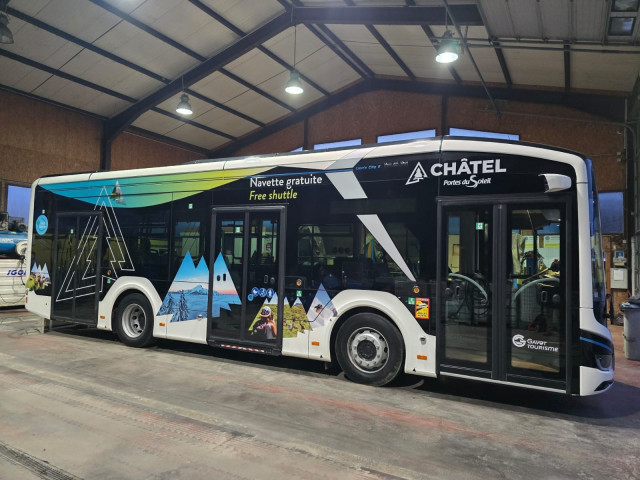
x=134, y=151
x=40, y=139
x=377, y=113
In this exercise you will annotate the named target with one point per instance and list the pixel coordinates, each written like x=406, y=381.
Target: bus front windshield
x=597, y=260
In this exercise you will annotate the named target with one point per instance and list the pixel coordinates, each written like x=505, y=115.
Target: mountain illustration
x=224, y=290
x=116, y=193
x=198, y=290
x=295, y=319
x=321, y=309
x=272, y=303
x=187, y=295
x=41, y=270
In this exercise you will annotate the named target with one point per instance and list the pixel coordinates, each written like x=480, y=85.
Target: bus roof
x=324, y=159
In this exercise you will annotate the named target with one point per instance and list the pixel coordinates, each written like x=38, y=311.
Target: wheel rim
x=368, y=350
x=133, y=320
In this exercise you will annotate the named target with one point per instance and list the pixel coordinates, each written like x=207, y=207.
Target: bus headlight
x=604, y=361
x=597, y=352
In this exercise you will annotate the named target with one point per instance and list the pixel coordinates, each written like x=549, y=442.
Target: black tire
x=134, y=321
x=369, y=349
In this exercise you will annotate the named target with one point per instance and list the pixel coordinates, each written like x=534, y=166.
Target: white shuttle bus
x=478, y=259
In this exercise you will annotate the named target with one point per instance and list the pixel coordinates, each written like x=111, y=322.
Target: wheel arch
x=419, y=347
x=346, y=315
x=122, y=287
x=123, y=294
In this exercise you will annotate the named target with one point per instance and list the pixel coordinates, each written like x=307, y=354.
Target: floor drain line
x=39, y=467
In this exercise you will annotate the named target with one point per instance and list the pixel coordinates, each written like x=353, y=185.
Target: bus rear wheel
x=369, y=349
x=134, y=321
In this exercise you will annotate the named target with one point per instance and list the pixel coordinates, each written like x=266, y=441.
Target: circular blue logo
x=250, y=297
x=42, y=224
x=270, y=293
x=263, y=292
x=255, y=291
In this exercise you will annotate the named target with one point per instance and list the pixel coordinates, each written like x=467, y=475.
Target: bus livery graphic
x=440, y=257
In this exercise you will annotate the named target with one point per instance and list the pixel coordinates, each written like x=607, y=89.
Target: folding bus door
x=247, y=279
x=466, y=327
x=76, y=265
x=537, y=316
x=504, y=311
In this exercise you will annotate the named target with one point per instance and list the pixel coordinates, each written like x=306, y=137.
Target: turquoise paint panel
x=135, y=192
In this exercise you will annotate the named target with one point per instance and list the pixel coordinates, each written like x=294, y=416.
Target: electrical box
x=619, y=278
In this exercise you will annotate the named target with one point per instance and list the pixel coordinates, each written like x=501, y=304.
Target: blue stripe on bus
x=596, y=343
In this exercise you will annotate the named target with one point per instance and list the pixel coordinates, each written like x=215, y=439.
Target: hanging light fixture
x=5, y=34
x=184, y=108
x=448, y=49
x=294, y=85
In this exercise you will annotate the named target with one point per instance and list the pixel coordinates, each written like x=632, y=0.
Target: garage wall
x=365, y=116
x=533, y=123
x=135, y=151
x=38, y=139
x=377, y=113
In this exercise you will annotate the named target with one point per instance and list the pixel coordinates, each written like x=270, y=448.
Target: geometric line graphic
x=349, y=187
x=117, y=257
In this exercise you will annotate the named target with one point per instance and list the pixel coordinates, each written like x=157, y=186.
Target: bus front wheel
x=369, y=349
x=134, y=321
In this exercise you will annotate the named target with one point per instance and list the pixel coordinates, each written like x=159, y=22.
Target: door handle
x=544, y=296
x=272, y=280
x=458, y=289
x=266, y=279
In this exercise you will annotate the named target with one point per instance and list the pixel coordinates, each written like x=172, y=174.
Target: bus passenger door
x=465, y=328
x=76, y=267
x=535, y=344
x=247, y=280
x=503, y=309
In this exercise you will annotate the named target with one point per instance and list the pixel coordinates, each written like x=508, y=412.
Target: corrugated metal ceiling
x=126, y=60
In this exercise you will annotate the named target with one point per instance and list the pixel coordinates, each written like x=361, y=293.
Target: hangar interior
x=107, y=85
x=89, y=85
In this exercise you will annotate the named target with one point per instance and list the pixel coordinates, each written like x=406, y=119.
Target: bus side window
x=188, y=232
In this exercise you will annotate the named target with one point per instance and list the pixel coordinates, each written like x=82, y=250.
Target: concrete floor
x=78, y=404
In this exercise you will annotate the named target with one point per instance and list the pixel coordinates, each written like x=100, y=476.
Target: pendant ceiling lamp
x=184, y=107
x=294, y=85
x=449, y=47
x=6, y=36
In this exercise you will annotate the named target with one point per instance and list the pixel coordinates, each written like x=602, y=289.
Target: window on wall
x=343, y=143
x=18, y=200
x=461, y=132
x=397, y=137
x=611, y=212
x=299, y=149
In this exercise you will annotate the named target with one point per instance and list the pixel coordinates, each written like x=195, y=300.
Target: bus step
x=243, y=348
